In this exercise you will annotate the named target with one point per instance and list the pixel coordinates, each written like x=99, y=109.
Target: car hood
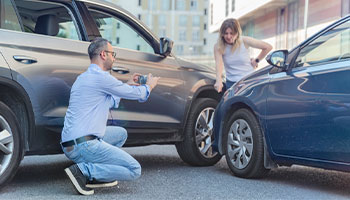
x=192, y=66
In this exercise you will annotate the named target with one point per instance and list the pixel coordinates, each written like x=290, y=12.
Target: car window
x=333, y=45
x=119, y=33
x=8, y=18
x=47, y=18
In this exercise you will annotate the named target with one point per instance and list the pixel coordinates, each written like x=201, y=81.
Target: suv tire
x=11, y=147
x=196, y=148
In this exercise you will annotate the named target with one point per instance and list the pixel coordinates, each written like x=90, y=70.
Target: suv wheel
x=196, y=148
x=11, y=151
x=244, y=149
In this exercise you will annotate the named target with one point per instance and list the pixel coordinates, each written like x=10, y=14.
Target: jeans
x=103, y=160
x=228, y=84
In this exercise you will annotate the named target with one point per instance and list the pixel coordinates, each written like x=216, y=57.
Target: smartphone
x=142, y=79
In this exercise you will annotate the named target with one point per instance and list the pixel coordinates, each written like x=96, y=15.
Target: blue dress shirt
x=92, y=95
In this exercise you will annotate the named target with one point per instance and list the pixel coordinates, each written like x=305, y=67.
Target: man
x=86, y=140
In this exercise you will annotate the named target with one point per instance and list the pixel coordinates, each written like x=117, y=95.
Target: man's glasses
x=114, y=54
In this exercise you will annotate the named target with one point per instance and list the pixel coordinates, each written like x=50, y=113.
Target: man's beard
x=108, y=65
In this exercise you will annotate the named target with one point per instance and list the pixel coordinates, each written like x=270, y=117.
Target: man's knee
x=124, y=134
x=136, y=171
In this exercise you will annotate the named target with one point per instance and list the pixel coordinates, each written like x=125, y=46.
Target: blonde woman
x=231, y=52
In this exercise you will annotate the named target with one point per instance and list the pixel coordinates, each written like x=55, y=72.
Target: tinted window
x=8, y=15
x=124, y=36
x=331, y=46
x=48, y=19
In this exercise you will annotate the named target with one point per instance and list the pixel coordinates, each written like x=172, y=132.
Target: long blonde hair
x=234, y=25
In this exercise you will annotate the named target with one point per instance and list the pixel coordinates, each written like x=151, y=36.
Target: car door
x=333, y=142
x=45, y=57
x=162, y=115
x=298, y=120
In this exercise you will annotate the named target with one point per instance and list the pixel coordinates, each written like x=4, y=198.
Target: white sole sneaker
x=99, y=185
x=76, y=184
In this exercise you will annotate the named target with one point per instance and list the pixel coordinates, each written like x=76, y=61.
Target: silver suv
x=43, y=48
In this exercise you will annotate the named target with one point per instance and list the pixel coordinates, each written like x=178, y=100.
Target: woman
x=231, y=51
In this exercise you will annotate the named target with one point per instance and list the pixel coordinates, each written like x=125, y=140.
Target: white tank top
x=237, y=64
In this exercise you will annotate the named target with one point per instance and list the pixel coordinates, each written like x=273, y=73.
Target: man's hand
x=152, y=81
x=133, y=79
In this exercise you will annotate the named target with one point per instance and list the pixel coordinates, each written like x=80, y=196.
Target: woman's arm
x=258, y=44
x=219, y=68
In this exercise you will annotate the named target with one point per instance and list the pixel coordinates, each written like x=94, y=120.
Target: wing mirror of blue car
x=166, y=45
x=278, y=58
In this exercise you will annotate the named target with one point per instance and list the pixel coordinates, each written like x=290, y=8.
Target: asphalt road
x=165, y=176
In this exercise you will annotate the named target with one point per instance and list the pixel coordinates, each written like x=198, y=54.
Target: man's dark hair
x=97, y=45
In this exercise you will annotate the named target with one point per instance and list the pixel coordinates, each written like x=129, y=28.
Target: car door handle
x=25, y=59
x=121, y=70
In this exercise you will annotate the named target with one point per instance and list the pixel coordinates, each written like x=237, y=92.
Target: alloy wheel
x=6, y=145
x=204, y=132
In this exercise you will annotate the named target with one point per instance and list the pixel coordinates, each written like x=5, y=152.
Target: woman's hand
x=253, y=63
x=218, y=86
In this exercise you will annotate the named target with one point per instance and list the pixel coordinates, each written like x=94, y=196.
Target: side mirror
x=166, y=45
x=278, y=58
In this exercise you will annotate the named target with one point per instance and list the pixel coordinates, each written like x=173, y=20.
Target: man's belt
x=78, y=140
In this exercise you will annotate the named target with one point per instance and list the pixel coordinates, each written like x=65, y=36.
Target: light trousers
x=103, y=160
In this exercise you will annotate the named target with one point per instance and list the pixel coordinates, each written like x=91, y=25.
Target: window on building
x=196, y=50
x=117, y=41
x=138, y=47
x=280, y=35
x=165, y=4
x=182, y=35
x=118, y=25
x=292, y=27
x=248, y=29
x=180, y=4
x=345, y=8
x=183, y=20
x=139, y=16
x=195, y=35
x=205, y=11
x=233, y=5
x=204, y=26
x=161, y=20
x=211, y=14
x=140, y=1
x=152, y=4
x=162, y=32
x=226, y=8
x=204, y=41
x=196, y=21
x=194, y=4
x=179, y=49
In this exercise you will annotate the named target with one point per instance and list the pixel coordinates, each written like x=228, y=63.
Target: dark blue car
x=295, y=111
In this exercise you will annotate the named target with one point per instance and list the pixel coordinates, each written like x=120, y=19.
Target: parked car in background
x=295, y=111
x=43, y=48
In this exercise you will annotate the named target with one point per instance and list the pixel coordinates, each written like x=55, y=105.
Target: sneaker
x=98, y=184
x=78, y=180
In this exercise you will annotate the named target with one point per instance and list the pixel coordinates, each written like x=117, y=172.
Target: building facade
x=281, y=23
